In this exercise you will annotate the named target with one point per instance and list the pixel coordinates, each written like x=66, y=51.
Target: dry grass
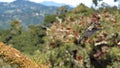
x=13, y=56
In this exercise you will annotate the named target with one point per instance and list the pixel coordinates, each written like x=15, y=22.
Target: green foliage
x=29, y=40
x=82, y=9
x=115, y=53
x=49, y=19
x=15, y=27
x=26, y=41
x=95, y=2
x=4, y=34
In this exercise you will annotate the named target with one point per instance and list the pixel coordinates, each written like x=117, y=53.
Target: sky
x=71, y=2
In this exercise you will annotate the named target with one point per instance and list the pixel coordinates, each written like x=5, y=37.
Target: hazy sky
x=70, y=2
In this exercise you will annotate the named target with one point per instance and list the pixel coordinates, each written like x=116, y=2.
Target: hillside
x=25, y=11
x=80, y=38
x=72, y=44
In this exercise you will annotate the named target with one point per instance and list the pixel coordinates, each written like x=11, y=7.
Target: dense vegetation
x=60, y=43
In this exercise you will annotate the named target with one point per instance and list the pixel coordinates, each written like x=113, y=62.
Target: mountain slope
x=25, y=11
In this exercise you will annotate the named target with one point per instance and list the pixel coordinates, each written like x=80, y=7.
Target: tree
x=49, y=19
x=15, y=27
x=96, y=1
x=8, y=34
x=62, y=9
